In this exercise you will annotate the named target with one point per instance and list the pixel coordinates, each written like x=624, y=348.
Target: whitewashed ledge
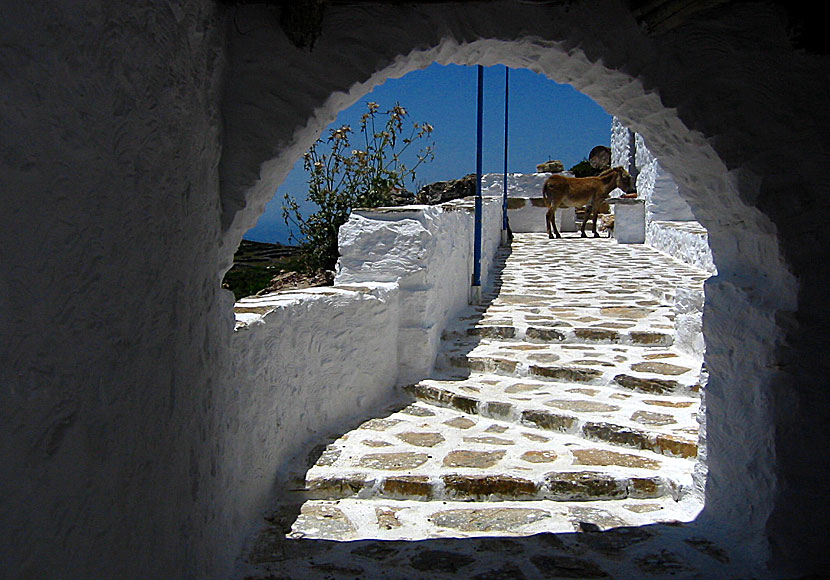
x=427, y=251
x=687, y=241
x=526, y=207
x=254, y=309
x=306, y=363
x=415, y=262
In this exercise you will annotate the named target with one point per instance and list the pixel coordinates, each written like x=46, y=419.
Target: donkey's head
x=623, y=180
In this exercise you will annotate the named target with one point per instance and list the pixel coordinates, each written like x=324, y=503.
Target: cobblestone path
x=557, y=438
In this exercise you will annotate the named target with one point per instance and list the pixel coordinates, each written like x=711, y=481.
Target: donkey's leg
x=585, y=221
x=547, y=222
x=596, y=215
x=557, y=204
x=550, y=220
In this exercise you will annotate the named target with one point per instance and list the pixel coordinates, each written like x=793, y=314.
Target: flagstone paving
x=557, y=438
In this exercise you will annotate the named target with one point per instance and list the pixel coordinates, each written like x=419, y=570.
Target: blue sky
x=547, y=121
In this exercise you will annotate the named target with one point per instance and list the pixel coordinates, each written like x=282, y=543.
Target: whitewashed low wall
x=518, y=184
x=670, y=222
x=686, y=241
x=329, y=351
x=427, y=251
x=313, y=363
x=526, y=204
x=527, y=215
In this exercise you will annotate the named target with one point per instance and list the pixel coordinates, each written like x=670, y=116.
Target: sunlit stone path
x=557, y=438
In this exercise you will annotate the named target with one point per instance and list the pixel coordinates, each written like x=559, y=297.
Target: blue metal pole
x=478, y=209
x=504, y=187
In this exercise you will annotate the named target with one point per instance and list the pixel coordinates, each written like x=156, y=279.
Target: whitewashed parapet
x=620, y=144
x=670, y=222
x=527, y=215
x=525, y=185
x=686, y=241
x=306, y=363
x=428, y=252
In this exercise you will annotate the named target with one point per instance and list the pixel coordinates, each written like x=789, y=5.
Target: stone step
x=387, y=519
x=431, y=453
x=494, y=487
x=640, y=369
x=664, y=425
x=545, y=334
x=404, y=540
x=411, y=540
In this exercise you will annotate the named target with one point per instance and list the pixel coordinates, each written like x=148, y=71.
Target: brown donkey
x=578, y=191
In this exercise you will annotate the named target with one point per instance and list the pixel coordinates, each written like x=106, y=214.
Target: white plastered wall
x=427, y=252
x=124, y=414
x=670, y=225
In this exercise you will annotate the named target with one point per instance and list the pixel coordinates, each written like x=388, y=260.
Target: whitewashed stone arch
x=680, y=91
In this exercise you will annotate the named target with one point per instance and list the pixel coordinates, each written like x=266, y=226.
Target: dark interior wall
x=109, y=317
x=761, y=112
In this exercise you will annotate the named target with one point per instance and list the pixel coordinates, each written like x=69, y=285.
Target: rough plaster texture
x=654, y=185
x=427, y=252
x=670, y=225
x=621, y=150
x=120, y=454
x=663, y=200
x=312, y=365
x=114, y=329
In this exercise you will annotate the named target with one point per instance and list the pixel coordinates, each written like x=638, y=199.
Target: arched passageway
x=530, y=390
x=665, y=92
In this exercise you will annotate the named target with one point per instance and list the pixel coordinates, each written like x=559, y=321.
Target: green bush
x=584, y=169
x=245, y=281
x=342, y=178
x=248, y=279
